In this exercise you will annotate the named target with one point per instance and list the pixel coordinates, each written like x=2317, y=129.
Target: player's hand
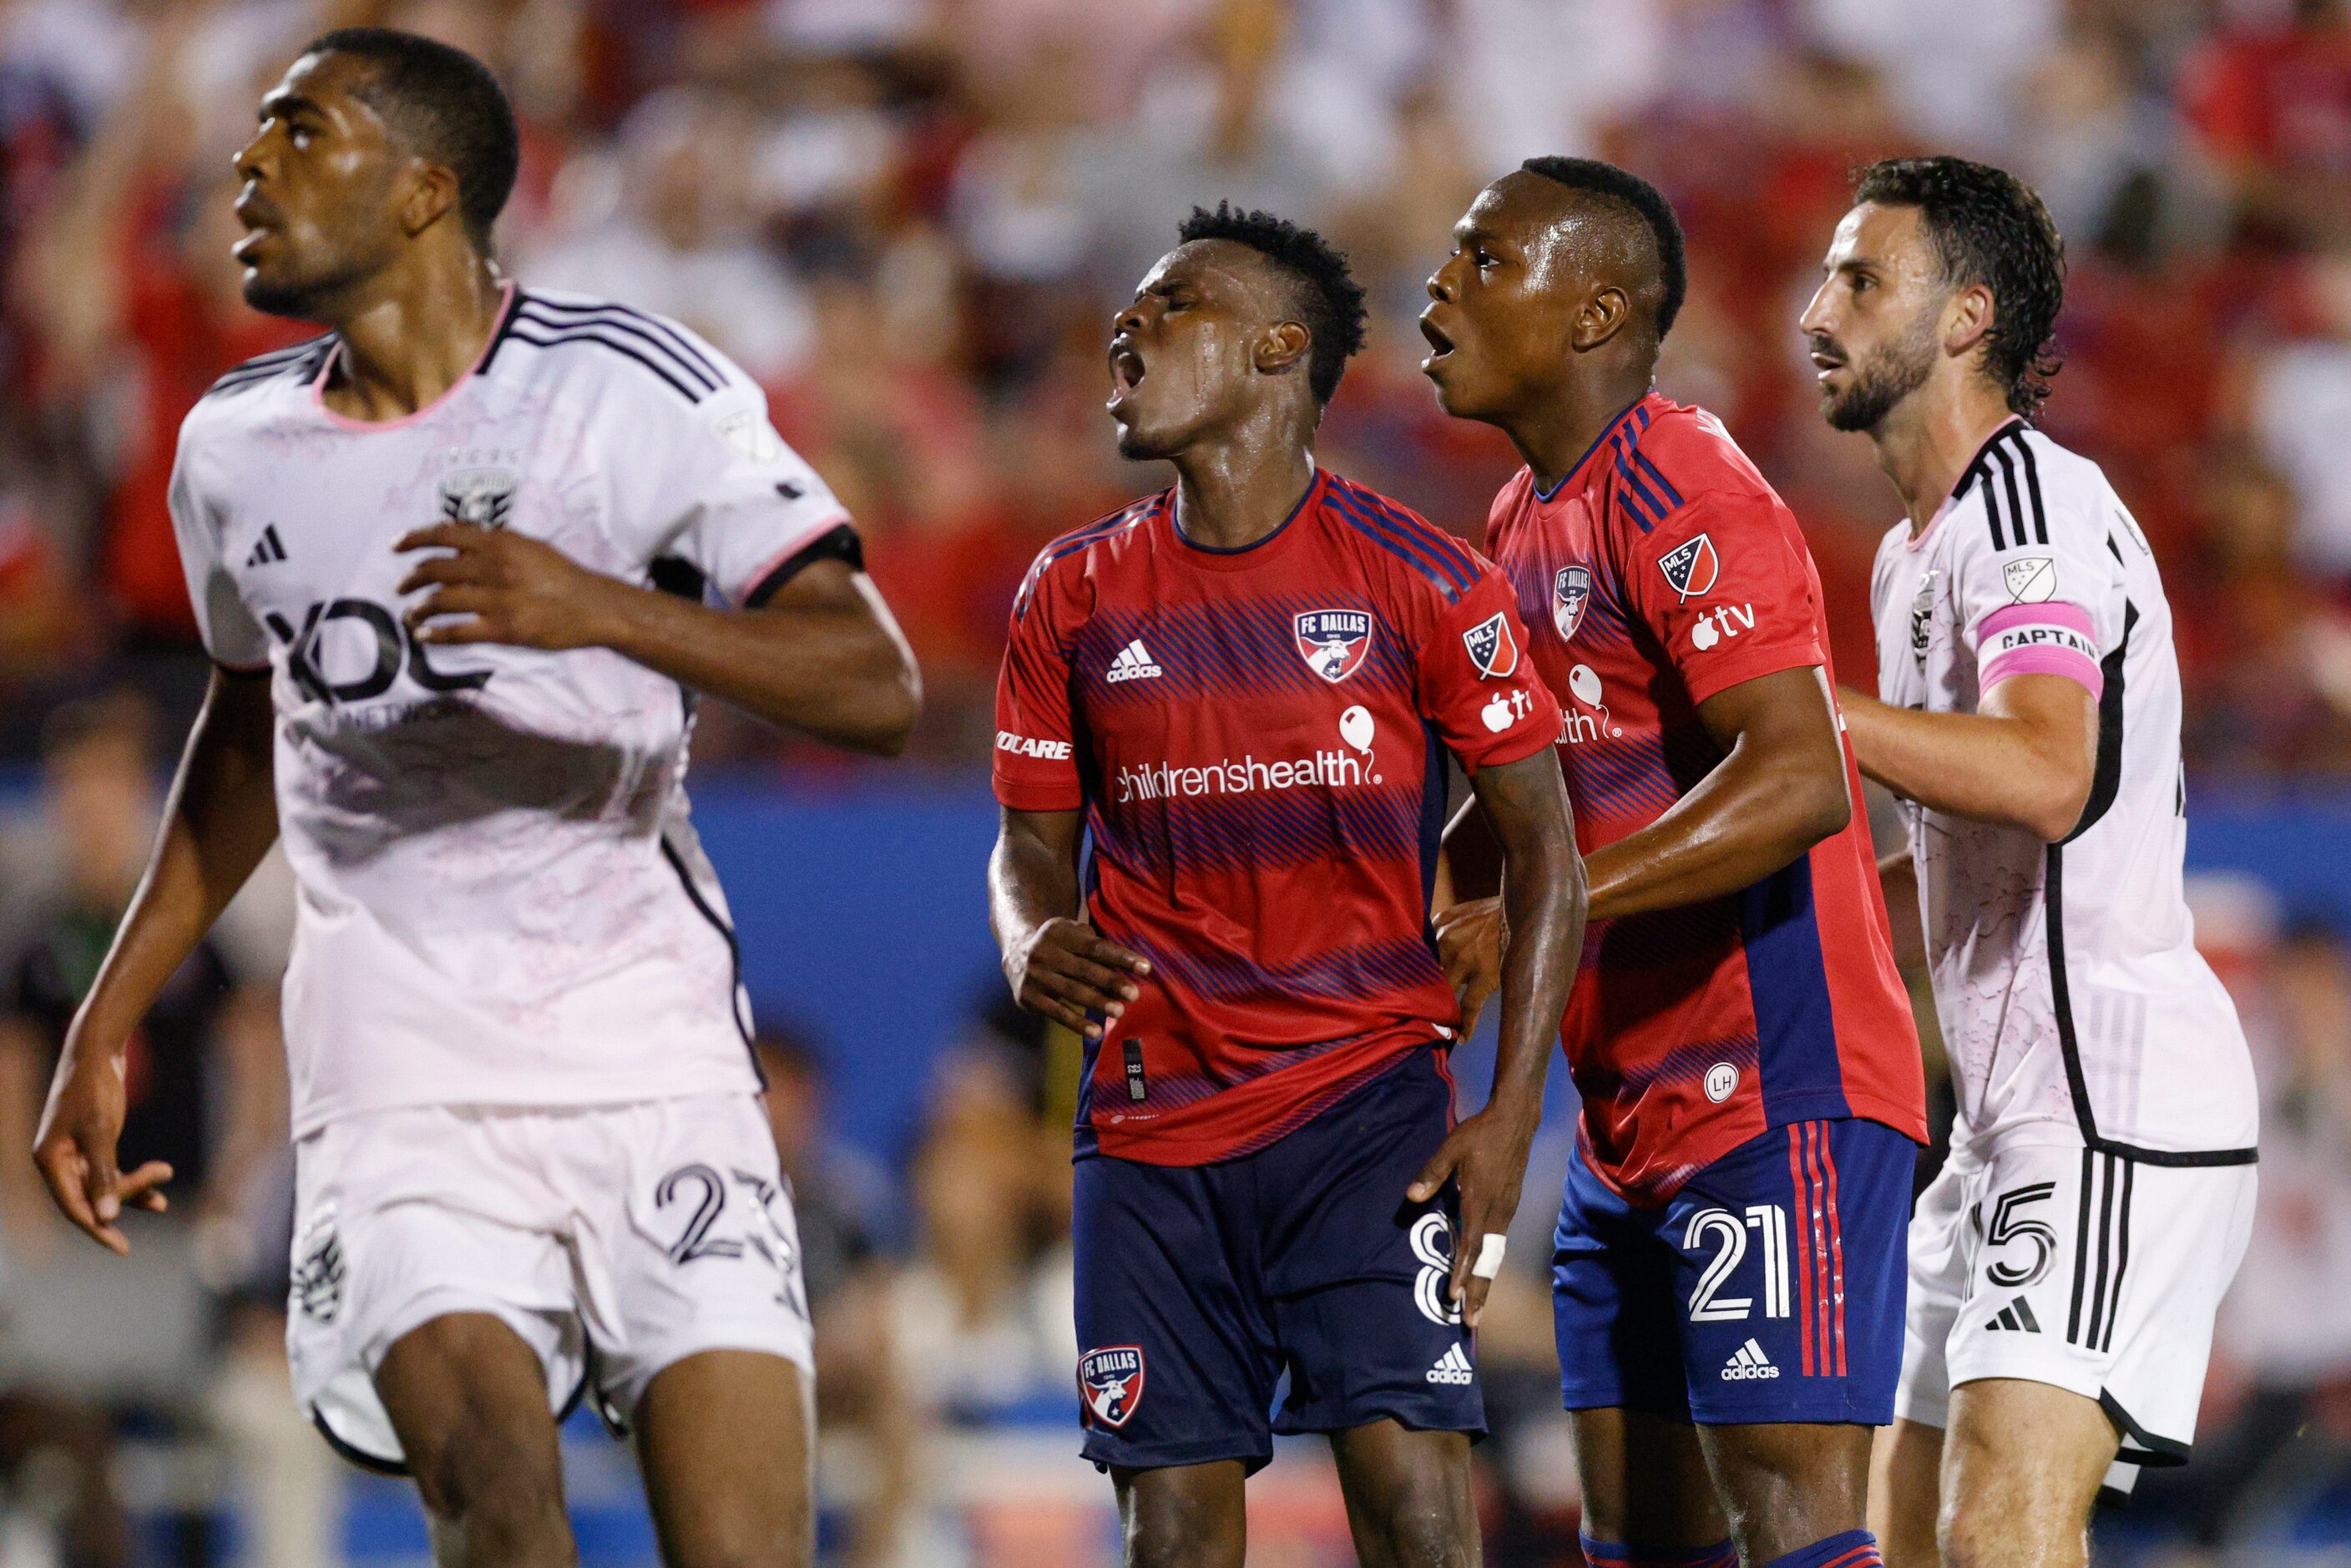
x=1065, y=971
x=498, y=586
x=1469, y=942
x=75, y=1150
x=1486, y=1158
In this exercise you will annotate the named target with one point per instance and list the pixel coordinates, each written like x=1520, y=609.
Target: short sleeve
x=1036, y=767
x=1476, y=683
x=2030, y=605
x=231, y=635
x=1724, y=585
x=713, y=485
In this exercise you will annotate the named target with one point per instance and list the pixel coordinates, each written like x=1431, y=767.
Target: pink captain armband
x=2039, y=639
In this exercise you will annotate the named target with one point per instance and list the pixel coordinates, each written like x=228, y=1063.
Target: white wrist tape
x=1490, y=1247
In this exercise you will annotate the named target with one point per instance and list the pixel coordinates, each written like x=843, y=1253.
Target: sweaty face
x=1502, y=308
x=1182, y=357
x=321, y=184
x=1874, y=325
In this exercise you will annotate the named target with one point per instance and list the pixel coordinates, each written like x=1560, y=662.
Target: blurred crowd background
x=911, y=220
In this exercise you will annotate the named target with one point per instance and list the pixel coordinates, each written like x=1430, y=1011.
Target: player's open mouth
x=1126, y=372
x=1438, y=343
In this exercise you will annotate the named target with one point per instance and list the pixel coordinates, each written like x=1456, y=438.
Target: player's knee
x=1180, y=1531
x=1984, y=1531
x=494, y=1484
x=778, y=1536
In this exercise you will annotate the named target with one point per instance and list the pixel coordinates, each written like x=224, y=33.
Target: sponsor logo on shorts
x=1452, y=1367
x=1749, y=1364
x=1111, y=1382
x=319, y=1271
x=2017, y=1317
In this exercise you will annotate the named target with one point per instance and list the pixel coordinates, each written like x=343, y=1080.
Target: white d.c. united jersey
x=501, y=898
x=2066, y=977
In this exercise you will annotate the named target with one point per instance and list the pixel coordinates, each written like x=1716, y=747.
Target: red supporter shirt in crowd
x=1257, y=739
x=1662, y=571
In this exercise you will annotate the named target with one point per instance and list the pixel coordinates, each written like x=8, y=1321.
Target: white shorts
x=615, y=1239
x=2089, y=1272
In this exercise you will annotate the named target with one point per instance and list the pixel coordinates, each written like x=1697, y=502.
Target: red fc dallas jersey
x=1661, y=571
x=1257, y=739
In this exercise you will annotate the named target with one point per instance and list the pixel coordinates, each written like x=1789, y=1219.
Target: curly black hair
x=444, y=106
x=1606, y=180
x=1330, y=301
x=1989, y=228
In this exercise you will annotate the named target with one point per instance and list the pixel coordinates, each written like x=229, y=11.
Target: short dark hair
x=1333, y=300
x=1612, y=183
x=445, y=106
x=1989, y=228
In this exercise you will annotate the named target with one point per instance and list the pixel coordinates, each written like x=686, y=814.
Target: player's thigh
x=1645, y=1482
x=686, y=1245
x=1407, y=1495
x=1176, y=1367
x=467, y=1399
x=726, y=1438
x=2022, y=1465
x=1358, y=1275
x=1905, y=1465
x=1183, y=1516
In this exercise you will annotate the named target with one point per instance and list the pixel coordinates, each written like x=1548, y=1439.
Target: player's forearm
x=1544, y=901
x=1748, y=818
x=832, y=666
x=220, y=820
x=1986, y=766
x=1029, y=881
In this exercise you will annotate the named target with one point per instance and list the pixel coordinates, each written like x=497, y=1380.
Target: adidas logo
x=1749, y=1364
x=1132, y=664
x=2017, y=1317
x=1453, y=1366
x=268, y=549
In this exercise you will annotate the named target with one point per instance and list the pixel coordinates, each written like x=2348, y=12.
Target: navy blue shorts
x=1768, y=1288
x=1199, y=1286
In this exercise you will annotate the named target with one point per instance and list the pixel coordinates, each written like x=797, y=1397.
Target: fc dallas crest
x=1333, y=642
x=1571, y=590
x=1111, y=1381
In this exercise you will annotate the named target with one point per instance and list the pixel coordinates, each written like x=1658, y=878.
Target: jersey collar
x=504, y=319
x=1241, y=558
x=1968, y=475
x=1575, y=469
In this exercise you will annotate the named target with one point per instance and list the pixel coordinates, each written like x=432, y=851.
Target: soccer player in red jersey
x=1240, y=692
x=1728, y=1270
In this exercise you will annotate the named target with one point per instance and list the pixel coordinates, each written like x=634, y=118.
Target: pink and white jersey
x=2066, y=977
x=501, y=898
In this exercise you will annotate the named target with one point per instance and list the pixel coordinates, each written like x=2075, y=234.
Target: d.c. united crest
x=481, y=496
x=1334, y=642
x=1571, y=590
x=1111, y=1382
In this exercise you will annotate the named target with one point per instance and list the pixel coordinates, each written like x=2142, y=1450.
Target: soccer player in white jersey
x=464, y=562
x=2065, y=1267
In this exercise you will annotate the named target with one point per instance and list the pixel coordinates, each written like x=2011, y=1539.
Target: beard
x=1885, y=379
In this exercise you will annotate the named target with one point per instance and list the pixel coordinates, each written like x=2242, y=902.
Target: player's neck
x=414, y=334
x=1927, y=442
x=1554, y=436
x=1229, y=497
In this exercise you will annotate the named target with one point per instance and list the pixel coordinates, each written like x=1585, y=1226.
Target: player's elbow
x=1819, y=805
x=893, y=702
x=2055, y=816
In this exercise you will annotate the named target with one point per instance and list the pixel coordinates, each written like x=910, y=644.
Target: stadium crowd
x=911, y=219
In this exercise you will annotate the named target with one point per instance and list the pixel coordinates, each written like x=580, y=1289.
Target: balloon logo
x=1584, y=682
x=1356, y=729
